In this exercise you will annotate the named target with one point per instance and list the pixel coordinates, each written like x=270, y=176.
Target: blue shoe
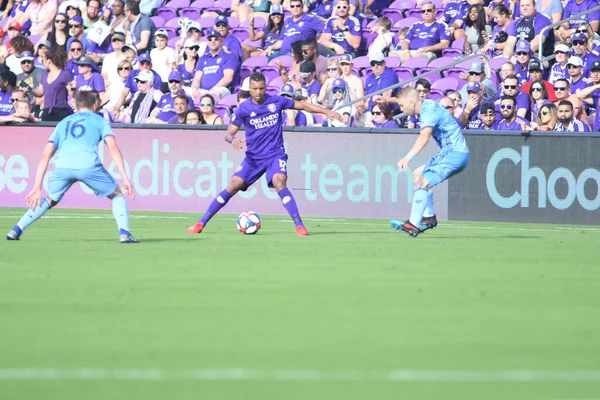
x=127, y=238
x=397, y=225
x=12, y=235
x=428, y=223
x=406, y=226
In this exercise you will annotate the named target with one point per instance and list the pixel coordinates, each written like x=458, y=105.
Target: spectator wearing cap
x=573, y=7
x=144, y=100
x=230, y=43
x=523, y=56
x=19, y=45
x=426, y=38
x=510, y=120
x=165, y=109
x=566, y=121
x=487, y=115
x=291, y=117
x=131, y=85
x=76, y=51
x=13, y=30
x=299, y=26
x=40, y=54
x=510, y=87
x=591, y=95
x=536, y=73
x=334, y=71
x=310, y=52
x=92, y=13
x=88, y=78
x=77, y=33
x=343, y=32
x=190, y=60
x=17, y=9
x=54, y=85
x=339, y=90
x=529, y=28
x=455, y=15
x=268, y=36
x=384, y=41
x=559, y=68
x=163, y=57
x=581, y=50
x=575, y=68
x=118, y=21
x=470, y=117
x=181, y=106
x=356, y=86
x=8, y=83
x=193, y=35
x=382, y=77
x=40, y=13
x=31, y=77
x=141, y=27
x=216, y=70
x=130, y=53
x=59, y=34
x=477, y=73
x=308, y=80
x=112, y=59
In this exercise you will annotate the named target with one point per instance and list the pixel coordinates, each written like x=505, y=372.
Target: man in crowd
x=230, y=43
x=567, y=123
x=510, y=120
x=426, y=38
x=510, y=87
x=181, y=105
x=529, y=27
x=342, y=33
x=470, y=116
x=165, y=109
x=141, y=28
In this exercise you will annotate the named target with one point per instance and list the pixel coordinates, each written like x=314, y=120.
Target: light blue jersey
x=76, y=139
x=446, y=131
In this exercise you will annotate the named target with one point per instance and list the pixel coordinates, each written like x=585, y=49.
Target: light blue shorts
x=443, y=166
x=97, y=179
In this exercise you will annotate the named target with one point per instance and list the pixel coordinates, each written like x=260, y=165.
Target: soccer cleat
x=407, y=227
x=428, y=223
x=301, y=231
x=127, y=238
x=197, y=228
x=12, y=235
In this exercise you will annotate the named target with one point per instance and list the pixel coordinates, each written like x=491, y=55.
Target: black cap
x=486, y=108
x=535, y=65
x=307, y=67
x=595, y=66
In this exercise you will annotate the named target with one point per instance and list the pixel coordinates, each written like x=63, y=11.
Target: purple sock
x=216, y=205
x=288, y=201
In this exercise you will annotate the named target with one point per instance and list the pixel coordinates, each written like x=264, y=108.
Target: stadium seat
x=254, y=43
x=414, y=13
x=167, y=13
x=159, y=21
x=177, y=4
x=206, y=23
x=239, y=32
x=229, y=101
x=287, y=61
x=362, y=62
x=445, y=84
x=436, y=94
x=393, y=14
x=259, y=23
x=458, y=44
x=255, y=62
x=202, y=4
x=269, y=71
x=403, y=4
x=406, y=22
x=173, y=42
x=171, y=31
x=277, y=82
x=393, y=61
x=454, y=72
x=172, y=23
x=435, y=64
x=272, y=91
x=368, y=38
x=192, y=13
x=496, y=63
x=452, y=52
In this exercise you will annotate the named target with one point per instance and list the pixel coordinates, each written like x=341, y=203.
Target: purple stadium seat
x=454, y=72
x=159, y=22
x=177, y=4
x=254, y=43
x=245, y=72
x=287, y=61
x=414, y=13
x=222, y=111
x=452, y=52
x=368, y=38
x=259, y=23
x=362, y=62
x=173, y=42
x=241, y=33
x=496, y=63
x=436, y=94
x=406, y=22
x=392, y=61
x=229, y=101
x=404, y=73
x=172, y=23
x=415, y=63
x=277, y=82
x=206, y=22
x=255, y=62
x=192, y=13
x=225, y=4
x=167, y=13
x=459, y=44
x=233, y=21
x=171, y=31
x=270, y=72
x=202, y=4
x=393, y=14
x=272, y=91
x=445, y=84
x=403, y=4
x=318, y=119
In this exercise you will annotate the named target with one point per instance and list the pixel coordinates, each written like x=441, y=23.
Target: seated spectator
x=566, y=121
x=131, y=85
x=529, y=28
x=77, y=33
x=118, y=22
x=563, y=92
x=342, y=33
x=590, y=96
x=190, y=62
x=41, y=55
x=230, y=43
x=75, y=53
x=488, y=116
x=310, y=52
x=116, y=87
x=215, y=70
x=130, y=53
x=510, y=120
x=523, y=58
x=54, y=86
x=506, y=69
x=538, y=97
x=536, y=73
x=112, y=60
x=426, y=38
x=382, y=77
x=502, y=18
x=163, y=57
x=40, y=13
x=338, y=88
x=575, y=68
x=248, y=9
x=145, y=98
x=384, y=41
x=19, y=45
x=455, y=14
x=553, y=9
x=59, y=34
x=194, y=117
x=334, y=71
x=321, y=9
x=141, y=28
x=423, y=87
x=547, y=118
x=573, y=7
x=31, y=77
x=92, y=13
x=165, y=109
x=88, y=78
x=8, y=83
x=291, y=117
x=559, y=69
x=457, y=98
x=382, y=117
x=181, y=105
x=207, y=107
x=11, y=13
x=194, y=33
x=470, y=117
x=581, y=50
x=477, y=30
x=308, y=80
x=23, y=108
x=477, y=73
x=356, y=86
x=510, y=87
x=268, y=36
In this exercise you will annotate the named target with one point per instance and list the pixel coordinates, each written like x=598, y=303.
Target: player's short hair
x=85, y=99
x=566, y=103
x=258, y=77
x=409, y=93
x=511, y=98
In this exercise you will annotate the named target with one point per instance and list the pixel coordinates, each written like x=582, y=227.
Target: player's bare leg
x=121, y=214
x=235, y=185
x=289, y=203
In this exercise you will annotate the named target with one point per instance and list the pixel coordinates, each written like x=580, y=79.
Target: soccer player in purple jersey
x=262, y=119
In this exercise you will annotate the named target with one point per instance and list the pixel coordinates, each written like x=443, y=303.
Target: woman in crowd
x=382, y=116
x=356, y=86
x=59, y=34
x=194, y=117
x=54, y=86
x=334, y=71
x=190, y=58
x=144, y=100
x=339, y=92
x=538, y=96
x=72, y=11
x=40, y=13
x=113, y=91
x=501, y=16
x=118, y=21
x=547, y=118
x=477, y=30
x=268, y=36
x=207, y=107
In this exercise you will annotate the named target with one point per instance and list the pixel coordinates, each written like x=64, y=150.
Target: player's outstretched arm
x=230, y=138
x=115, y=154
x=313, y=108
x=421, y=142
x=34, y=198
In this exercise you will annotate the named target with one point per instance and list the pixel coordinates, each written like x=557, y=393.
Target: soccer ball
x=248, y=223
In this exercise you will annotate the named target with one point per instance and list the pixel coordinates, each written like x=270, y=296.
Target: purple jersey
x=21, y=8
x=314, y=88
x=99, y=49
x=212, y=67
x=55, y=93
x=232, y=44
x=339, y=37
x=322, y=9
x=518, y=124
x=131, y=84
x=572, y=8
x=373, y=83
x=474, y=119
x=6, y=106
x=455, y=11
x=558, y=72
x=588, y=59
x=386, y=124
x=522, y=73
x=166, y=106
x=574, y=126
x=188, y=76
x=521, y=98
x=95, y=82
x=264, y=126
x=421, y=35
x=271, y=38
x=304, y=28
x=582, y=83
x=529, y=28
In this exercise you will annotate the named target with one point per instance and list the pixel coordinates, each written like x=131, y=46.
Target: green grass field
x=468, y=311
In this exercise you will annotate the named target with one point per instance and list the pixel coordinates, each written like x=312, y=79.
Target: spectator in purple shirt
x=488, y=117
x=76, y=51
x=382, y=77
x=308, y=80
x=529, y=27
x=298, y=27
x=567, y=123
x=181, y=105
x=455, y=14
x=77, y=33
x=426, y=38
x=510, y=87
x=573, y=7
x=510, y=120
x=165, y=109
x=581, y=50
x=470, y=116
x=382, y=117
x=8, y=81
x=54, y=86
x=88, y=77
x=131, y=84
x=230, y=43
x=342, y=34
x=578, y=81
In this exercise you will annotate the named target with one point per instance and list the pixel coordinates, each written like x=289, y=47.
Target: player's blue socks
x=32, y=215
x=214, y=207
x=418, y=206
x=429, y=208
x=121, y=214
x=288, y=201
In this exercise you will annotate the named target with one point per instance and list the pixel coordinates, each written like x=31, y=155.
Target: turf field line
x=295, y=375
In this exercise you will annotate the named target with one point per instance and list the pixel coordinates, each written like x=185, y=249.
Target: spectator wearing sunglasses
x=339, y=91
x=165, y=109
x=307, y=79
x=536, y=73
x=270, y=34
x=382, y=77
x=190, y=60
x=573, y=7
x=77, y=33
x=590, y=95
x=538, y=97
x=529, y=27
x=132, y=84
x=207, y=107
x=547, y=118
x=231, y=43
x=559, y=68
x=423, y=87
x=510, y=120
x=381, y=117
x=566, y=121
x=59, y=34
x=342, y=33
x=310, y=52
x=575, y=68
x=116, y=85
x=112, y=59
x=299, y=26
x=477, y=73
x=581, y=50
x=31, y=77
x=522, y=57
x=193, y=35
x=334, y=71
x=510, y=87
x=426, y=38
x=76, y=51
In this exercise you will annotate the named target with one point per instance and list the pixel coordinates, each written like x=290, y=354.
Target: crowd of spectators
x=184, y=62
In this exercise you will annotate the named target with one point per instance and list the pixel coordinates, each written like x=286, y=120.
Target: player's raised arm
x=313, y=108
x=34, y=198
x=117, y=157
